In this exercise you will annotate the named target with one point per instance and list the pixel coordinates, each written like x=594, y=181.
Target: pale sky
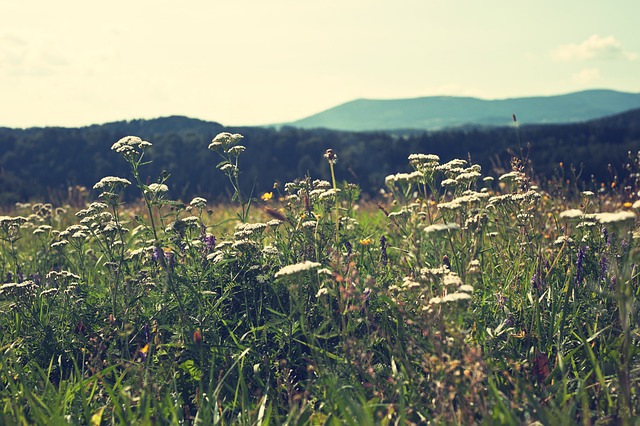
x=253, y=62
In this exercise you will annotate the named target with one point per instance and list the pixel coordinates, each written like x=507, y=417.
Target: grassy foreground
x=457, y=300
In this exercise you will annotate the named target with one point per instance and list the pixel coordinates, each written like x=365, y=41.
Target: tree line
x=42, y=163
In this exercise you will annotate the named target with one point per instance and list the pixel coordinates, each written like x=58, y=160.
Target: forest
x=44, y=163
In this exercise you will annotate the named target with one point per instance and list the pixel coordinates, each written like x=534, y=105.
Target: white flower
x=111, y=181
x=441, y=227
x=157, y=188
x=236, y=150
x=451, y=279
x=424, y=158
x=270, y=250
x=130, y=144
x=618, y=217
x=297, y=267
x=563, y=239
x=571, y=214
x=224, y=139
x=198, y=202
x=512, y=177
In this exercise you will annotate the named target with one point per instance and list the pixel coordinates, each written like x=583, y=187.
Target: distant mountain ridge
x=440, y=112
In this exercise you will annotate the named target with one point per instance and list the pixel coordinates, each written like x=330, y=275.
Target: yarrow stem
x=332, y=157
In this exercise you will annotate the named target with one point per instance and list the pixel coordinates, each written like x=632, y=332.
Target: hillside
x=439, y=112
x=41, y=163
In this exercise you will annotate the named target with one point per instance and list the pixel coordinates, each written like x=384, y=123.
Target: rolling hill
x=439, y=112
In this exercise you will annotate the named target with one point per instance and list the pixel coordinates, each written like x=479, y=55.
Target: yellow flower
x=627, y=205
x=267, y=196
x=365, y=242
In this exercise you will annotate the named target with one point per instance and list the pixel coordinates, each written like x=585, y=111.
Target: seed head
x=331, y=156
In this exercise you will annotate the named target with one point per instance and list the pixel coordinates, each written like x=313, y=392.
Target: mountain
x=439, y=112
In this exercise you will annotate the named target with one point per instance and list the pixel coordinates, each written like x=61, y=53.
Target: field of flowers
x=455, y=298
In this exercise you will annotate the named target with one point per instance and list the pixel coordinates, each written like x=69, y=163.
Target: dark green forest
x=42, y=163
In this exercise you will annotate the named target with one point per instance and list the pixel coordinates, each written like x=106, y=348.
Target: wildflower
x=236, y=150
x=618, y=217
x=636, y=205
x=437, y=228
x=571, y=214
x=384, y=259
x=627, y=205
x=309, y=224
x=157, y=188
x=466, y=288
x=296, y=268
x=562, y=240
x=474, y=267
x=198, y=202
x=515, y=177
x=579, y=264
x=423, y=158
x=111, y=182
x=331, y=156
x=587, y=194
x=130, y=145
x=267, y=196
x=322, y=292
x=228, y=167
x=224, y=140
x=270, y=250
x=365, y=242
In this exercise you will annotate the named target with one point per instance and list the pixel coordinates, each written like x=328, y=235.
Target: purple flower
x=604, y=266
x=580, y=264
x=384, y=259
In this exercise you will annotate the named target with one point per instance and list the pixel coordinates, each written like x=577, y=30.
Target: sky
x=253, y=62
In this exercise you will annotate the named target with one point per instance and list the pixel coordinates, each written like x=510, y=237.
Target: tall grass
x=459, y=299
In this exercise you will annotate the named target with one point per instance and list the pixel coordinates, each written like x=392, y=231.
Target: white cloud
x=585, y=76
x=595, y=47
x=21, y=58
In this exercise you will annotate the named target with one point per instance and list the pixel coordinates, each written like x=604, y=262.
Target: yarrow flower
x=571, y=214
x=618, y=217
x=130, y=145
x=157, y=188
x=437, y=228
x=297, y=268
x=224, y=140
x=198, y=202
x=111, y=182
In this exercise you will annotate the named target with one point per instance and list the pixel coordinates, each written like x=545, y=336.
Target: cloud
x=585, y=76
x=21, y=58
x=595, y=47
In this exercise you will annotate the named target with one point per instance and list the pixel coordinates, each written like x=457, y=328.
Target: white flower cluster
x=198, y=202
x=130, y=145
x=224, y=140
x=246, y=230
x=157, y=188
x=611, y=218
x=297, y=268
x=439, y=228
x=111, y=182
x=401, y=178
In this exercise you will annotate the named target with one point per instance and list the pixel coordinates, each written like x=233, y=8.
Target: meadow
x=457, y=297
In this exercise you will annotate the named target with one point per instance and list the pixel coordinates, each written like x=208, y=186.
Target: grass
x=457, y=299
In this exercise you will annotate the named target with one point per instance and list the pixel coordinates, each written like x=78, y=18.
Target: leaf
x=190, y=367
